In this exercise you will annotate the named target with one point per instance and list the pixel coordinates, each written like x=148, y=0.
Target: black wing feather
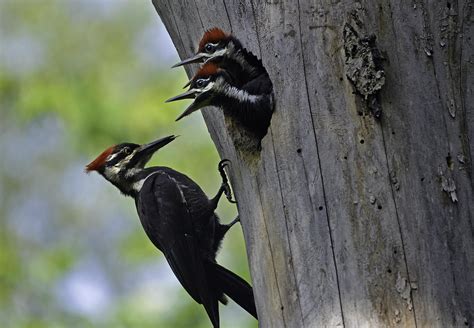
x=168, y=222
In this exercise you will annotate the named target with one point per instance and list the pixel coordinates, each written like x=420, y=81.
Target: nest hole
x=250, y=115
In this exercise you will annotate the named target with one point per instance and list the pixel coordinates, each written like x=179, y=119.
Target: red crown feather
x=100, y=160
x=206, y=70
x=213, y=35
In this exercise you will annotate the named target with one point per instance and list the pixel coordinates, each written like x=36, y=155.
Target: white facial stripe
x=111, y=157
x=220, y=52
x=126, y=159
x=239, y=94
x=112, y=171
x=237, y=56
x=208, y=87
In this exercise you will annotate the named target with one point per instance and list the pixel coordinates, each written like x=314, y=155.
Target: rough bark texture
x=352, y=220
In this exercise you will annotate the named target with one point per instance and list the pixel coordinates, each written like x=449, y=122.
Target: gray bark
x=351, y=220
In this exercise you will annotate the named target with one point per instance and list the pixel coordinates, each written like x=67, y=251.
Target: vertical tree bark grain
x=351, y=220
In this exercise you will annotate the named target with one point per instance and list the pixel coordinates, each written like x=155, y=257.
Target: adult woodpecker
x=227, y=52
x=180, y=221
x=251, y=104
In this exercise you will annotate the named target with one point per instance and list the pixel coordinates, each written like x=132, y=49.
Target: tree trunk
x=352, y=220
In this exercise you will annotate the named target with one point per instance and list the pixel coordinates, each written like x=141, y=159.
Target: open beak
x=194, y=59
x=187, y=84
x=196, y=105
x=201, y=100
x=190, y=94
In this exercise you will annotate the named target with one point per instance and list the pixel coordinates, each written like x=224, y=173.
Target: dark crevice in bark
x=264, y=218
x=270, y=133
x=466, y=142
x=228, y=16
x=400, y=230
x=392, y=186
x=177, y=29
x=288, y=235
x=256, y=29
x=320, y=168
x=199, y=14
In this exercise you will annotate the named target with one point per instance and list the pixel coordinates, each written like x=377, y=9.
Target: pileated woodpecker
x=227, y=52
x=251, y=105
x=180, y=221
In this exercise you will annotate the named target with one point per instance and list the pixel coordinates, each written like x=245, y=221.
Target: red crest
x=213, y=35
x=100, y=160
x=206, y=70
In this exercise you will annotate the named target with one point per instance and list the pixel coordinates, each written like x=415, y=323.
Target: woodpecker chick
x=179, y=220
x=251, y=105
x=227, y=52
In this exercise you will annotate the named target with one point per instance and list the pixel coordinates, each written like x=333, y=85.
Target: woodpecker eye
x=209, y=47
x=127, y=151
x=200, y=83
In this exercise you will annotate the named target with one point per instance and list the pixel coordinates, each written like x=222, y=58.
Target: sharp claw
x=223, y=163
x=228, y=194
x=227, y=191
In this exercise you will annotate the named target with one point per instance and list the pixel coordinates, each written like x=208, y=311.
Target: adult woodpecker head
x=214, y=43
x=123, y=165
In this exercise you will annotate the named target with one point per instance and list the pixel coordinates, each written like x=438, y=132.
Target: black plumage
x=245, y=93
x=179, y=219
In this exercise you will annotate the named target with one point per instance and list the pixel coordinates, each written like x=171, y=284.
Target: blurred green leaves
x=75, y=77
x=89, y=71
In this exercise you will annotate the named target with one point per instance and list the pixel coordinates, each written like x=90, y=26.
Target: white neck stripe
x=240, y=95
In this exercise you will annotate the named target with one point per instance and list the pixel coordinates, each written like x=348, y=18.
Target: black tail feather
x=234, y=287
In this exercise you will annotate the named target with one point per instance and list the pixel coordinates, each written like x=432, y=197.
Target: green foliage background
x=76, y=77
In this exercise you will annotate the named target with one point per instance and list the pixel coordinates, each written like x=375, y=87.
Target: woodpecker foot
x=225, y=182
x=237, y=219
x=224, y=228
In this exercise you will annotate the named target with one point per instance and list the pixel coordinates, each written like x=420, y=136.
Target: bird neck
x=233, y=94
x=249, y=64
x=131, y=181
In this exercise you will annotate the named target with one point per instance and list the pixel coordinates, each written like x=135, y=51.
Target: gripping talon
x=228, y=194
x=225, y=182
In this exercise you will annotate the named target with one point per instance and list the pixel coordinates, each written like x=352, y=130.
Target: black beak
x=190, y=94
x=194, y=59
x=187, y=84
x=203, y=100
x=145, y=151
